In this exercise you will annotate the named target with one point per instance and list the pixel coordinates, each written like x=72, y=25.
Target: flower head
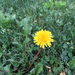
x=43, y=38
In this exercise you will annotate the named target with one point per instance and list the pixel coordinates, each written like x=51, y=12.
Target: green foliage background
x=20, y=19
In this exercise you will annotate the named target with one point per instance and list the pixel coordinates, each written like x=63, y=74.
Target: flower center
x=43, y=38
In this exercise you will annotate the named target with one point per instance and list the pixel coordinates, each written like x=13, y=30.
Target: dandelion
x=43, y=38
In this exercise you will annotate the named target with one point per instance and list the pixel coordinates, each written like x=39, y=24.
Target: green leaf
x=12, y=60
x=58, y=69
x=72, y=63
x=51, y=2
x=60, y=3
x=1, y=54
x=19, y=73
x=64, y=46
x=1, y=68
x=7, y=68
x=70, y=54
x=4, y=60
x=26, y=26
x=64, y=53
x=16, y=64
x=51, y=61
x=46, y=5
x=47, y=58
x=64, y=37
x=13, y=16
x=16, y=43
x=38, y=68
x=2, y=18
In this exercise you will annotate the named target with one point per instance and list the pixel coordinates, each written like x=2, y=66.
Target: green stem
x=34, y=58
x=25, y=45
x=25, y=50
x=44, y=52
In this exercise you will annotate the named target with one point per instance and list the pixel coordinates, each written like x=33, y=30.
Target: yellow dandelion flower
x=43, y=38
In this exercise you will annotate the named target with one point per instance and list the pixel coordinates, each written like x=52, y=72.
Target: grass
x=17, y=49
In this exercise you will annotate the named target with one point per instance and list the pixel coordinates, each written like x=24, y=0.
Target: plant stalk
x=34, y=58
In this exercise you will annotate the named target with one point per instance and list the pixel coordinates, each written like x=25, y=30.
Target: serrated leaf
x=26, y=26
